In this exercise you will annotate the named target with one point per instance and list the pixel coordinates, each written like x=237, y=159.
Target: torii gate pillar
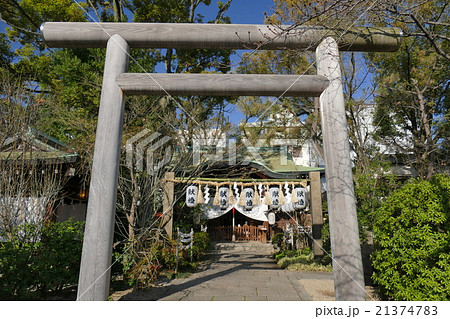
x=345, y=247
x=96, y=257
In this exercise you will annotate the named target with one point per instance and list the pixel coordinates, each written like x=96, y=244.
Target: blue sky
x=241, y=11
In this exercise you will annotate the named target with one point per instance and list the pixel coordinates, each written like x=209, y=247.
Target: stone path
x=238, y=271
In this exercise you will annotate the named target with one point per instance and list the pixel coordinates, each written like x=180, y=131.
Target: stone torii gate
x=119, y=37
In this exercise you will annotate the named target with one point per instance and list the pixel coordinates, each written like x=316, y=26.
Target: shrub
x=302, y=259
x=201, y=245
x=143, y=260
x=278, y=240
x=286, y=253
x=412, y=241
x=60, y=256
x=36, y=260
x=310, y=267
x=202, y=241
x=18, y=264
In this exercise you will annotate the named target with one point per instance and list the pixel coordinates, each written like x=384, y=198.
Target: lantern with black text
x=301, y=197
x=275, y=197
x=191, y=196
x=223, y=197
x=248, y=198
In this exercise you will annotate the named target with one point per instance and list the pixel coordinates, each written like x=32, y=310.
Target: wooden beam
x=222, y=84
x=316, y=212
x=217, y=36
x=168, y=201
x=344, y=234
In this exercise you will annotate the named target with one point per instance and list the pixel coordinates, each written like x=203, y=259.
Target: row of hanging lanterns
x=249, y=196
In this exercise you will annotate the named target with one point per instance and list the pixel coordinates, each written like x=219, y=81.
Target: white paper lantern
x=271, y=218
x=275, y=197
x=191, y=196
x=248, y=198
x=301, y=196
x=223, y=197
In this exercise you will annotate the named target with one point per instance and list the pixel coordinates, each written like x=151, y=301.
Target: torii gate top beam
x=222, y=84
x=217, y=36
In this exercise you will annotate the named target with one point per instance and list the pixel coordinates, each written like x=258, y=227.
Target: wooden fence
x=242, y=233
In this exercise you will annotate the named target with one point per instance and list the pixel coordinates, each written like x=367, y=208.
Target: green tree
x=67, y=83
x=411, y=112
x=6, y=55
x=413, y=103
x=412, y=236
x=25, y=17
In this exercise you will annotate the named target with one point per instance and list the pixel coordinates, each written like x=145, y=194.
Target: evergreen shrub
x=412, y=242
x=37, y=259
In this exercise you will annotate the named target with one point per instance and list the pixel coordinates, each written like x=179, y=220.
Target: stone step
x=242, y=246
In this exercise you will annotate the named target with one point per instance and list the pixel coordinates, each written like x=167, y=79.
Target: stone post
x=345, y=246
x=98, y=236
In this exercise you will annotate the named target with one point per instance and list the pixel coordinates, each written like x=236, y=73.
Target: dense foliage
x=412, y=239
x=372, y=185
x=40, y=259
x=147, y=258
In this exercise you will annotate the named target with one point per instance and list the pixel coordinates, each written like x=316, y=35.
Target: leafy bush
x=300, y=260
x=372, y=185
x=201, y=245
x=310, y=267
x=303, y=259
x=18, y=264
x=288, y=257
x=143, y=260
x=286, y=253
x=412, y=241
x=202, y=241
x=39, y=259
x=278, y=239
x=60, y=256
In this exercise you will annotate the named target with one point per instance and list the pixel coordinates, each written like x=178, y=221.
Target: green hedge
x=412, y=241
x=30, y=268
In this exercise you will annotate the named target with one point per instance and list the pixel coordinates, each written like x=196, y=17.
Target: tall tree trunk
x=428, y=149
x=168, y=60
x=118, y=11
